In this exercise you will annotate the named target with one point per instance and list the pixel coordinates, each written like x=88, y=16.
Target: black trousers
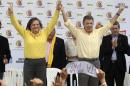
x=34, y=68
x=1, y=75
x=86, y=80
x=114, y=74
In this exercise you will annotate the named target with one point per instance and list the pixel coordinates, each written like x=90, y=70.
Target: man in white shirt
x=71, y=48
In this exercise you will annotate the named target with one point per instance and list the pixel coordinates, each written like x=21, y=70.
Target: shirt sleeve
x=17, y=26
x=71, y=27
x=104, y=30
x=52, y=23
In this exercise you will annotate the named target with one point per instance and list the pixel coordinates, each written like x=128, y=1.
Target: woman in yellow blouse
x=35, y=39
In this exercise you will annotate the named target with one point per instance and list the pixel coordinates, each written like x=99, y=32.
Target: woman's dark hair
x=28, y=27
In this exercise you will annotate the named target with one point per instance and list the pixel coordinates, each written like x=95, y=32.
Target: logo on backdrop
x=121, y=4
x=19, y=2
x=99, y=4
x=69, y=13
x=79, y=4
x=8, y=33
x=49, y=14
x=39, y=3
x=29, y=13
x=20, y=60
x=109, y=15
x=78, y=24
x=18, y=43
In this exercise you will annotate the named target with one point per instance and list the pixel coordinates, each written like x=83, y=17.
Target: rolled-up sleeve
x=103, y=30
x=52, y=23
x=17, y=26
x=71, y=27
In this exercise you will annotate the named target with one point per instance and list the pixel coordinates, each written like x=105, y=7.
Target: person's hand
x=5, y=60
x=2, y=83
x=58, y=81
x=63, y=74
x=10, y=9
x=59, y=5
x=101, y=74
x=122, y=6
x=114, y=44
x=36, y=82
x=60, y=78
x=101, y=77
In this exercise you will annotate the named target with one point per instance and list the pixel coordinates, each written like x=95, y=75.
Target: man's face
x=115, y=30
x=88, y=25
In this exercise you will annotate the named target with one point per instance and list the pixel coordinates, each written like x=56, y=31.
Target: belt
x=72, y=56
x=88, y=59
x=33, y=58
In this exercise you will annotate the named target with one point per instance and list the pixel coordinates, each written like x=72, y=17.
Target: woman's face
x=35, y=27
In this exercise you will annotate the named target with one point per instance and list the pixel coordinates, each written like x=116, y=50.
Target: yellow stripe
x=50, y=57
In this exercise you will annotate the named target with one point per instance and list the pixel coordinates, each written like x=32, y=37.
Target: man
x=55, y=55
x=113, y=50
x=88, y=41
x=70, y=47
x=71, y=53
x=4, y=54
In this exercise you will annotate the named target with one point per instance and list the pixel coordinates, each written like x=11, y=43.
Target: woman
x=35, y=39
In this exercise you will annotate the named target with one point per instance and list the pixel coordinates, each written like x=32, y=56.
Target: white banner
x=81, y=67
